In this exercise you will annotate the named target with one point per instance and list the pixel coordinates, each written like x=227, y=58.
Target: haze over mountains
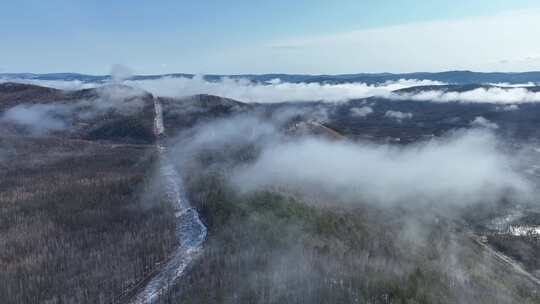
x=270, y=152
x=313, y=189
x=455, y=77
x=272, y=88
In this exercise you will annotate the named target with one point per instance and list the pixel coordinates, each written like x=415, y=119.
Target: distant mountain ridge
x=453, y=77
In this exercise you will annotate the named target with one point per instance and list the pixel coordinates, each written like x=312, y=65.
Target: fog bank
x=463, y=168
x=58, y=115
x=275, y=91
x=495, y=95
x=40, y=119
x=244, y=90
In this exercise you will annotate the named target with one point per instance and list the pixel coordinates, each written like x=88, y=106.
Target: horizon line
x=271, y=73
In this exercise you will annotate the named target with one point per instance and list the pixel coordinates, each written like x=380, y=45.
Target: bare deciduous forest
x=78, y=220
x=91, y=221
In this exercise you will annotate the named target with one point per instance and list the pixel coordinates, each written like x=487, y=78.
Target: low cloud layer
x=70, y=85
x=45, y=118
x=246, y=91
x=461, y=169
x=40, y=119
x=481, y=95
x=278, y=91
x=275, y=91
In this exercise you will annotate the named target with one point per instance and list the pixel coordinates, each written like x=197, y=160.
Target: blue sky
x=315, y=36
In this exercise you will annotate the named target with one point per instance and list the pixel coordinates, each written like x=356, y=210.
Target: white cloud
x=511, y=85
x=486, y=95
x=120, y=72
x=484, y=43
x=482, y=122
x=508, y=108
x=275, y=91
x=40, y=119
x=70, y=85
x=399, y=116
x=278, y=91
x=361, y=112
x=461, y=169
x=246, y=91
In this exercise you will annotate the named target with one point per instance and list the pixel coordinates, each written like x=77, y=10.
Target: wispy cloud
x=45, y=118
x=361, y=111
x=40, y=119
x=397, y=115
x=479, y=43
x=508, y=108
x=57, y=84
x=484, y=123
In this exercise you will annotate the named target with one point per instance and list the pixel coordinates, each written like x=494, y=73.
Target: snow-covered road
x=190, y=231
x=497, y=255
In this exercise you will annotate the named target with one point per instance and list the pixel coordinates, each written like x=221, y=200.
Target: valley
x=203, y=199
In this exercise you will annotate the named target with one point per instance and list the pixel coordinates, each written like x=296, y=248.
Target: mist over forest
x=303, y=152
x=410, y=190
